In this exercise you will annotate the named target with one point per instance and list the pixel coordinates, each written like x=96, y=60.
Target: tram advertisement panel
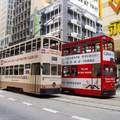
x=88, y=58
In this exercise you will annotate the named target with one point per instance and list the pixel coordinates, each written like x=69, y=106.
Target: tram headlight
x=54, y=84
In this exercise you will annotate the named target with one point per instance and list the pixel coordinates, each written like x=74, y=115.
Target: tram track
x=90, y=102
x=100, y=103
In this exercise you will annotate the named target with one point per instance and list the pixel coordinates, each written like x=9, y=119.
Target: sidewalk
x=118, y=92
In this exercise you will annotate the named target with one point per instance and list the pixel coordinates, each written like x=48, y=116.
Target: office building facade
x=6, y=15
x=65, y=19
x=21, y=20
x=111, y=26
x=6, y=24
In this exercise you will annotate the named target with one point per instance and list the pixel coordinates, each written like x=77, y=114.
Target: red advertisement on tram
x=88, y=67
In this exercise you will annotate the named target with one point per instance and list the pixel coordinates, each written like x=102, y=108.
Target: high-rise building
x=91, y=6
x=6, y=14
x=66, y=19
x=39, y=4
x=21, y=20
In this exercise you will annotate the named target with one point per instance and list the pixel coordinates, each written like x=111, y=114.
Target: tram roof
x=100, y=37
x=42, y=37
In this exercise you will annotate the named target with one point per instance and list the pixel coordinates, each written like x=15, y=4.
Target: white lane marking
x=79, y=118
x=11, y=99
x=2, y=96
x=63, y=99
x=50, y=110
x=1, y=91
x=26, y=103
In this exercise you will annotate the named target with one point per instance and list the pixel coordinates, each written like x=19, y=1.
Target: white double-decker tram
x=33, y=66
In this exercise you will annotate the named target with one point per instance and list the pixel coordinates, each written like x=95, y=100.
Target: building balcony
x=53, y=33
x=54, y=19
x=76, y=22
x=90, y=28
x=75, y=35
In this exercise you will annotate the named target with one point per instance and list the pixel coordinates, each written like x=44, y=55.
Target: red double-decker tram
x=89, y=67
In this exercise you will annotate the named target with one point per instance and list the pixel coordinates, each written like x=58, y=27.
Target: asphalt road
x=15, y=106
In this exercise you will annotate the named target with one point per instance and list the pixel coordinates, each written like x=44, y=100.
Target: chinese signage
x=108, y=55
x=115, y=5
x=114, y=28
x=82, y=59
x=25, y=58
x=36, y=26
x=82, y=83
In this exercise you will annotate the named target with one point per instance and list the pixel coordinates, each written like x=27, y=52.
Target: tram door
x=36, y=78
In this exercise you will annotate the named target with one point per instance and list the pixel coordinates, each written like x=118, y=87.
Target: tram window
x=110, y=46
x=74, y=71
x=35, y=69
x=54, y=44
x=96, y=70
x=46, y=69
x=4, y=54
x=66, y=51
x=11, y=70
x=104, y=45
x=17, y=50
x=53, y=69
x=86, y=48
x=27, y=66
x=45, y=43
x=95, y=46
x=59, y=69
x=16, y=70
x=7, y=70
x=34, y=45
x=12, y=52
x=78, y=49
x=109, y=70
x=73, y=50
x=21, y=69
x=22, y=48
x=7, y=53
x=66, y=71
x=28, y=47
x=3, y=70
x=106, y=70
x=0, y=54
x=60, y=46
x=38, y=44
